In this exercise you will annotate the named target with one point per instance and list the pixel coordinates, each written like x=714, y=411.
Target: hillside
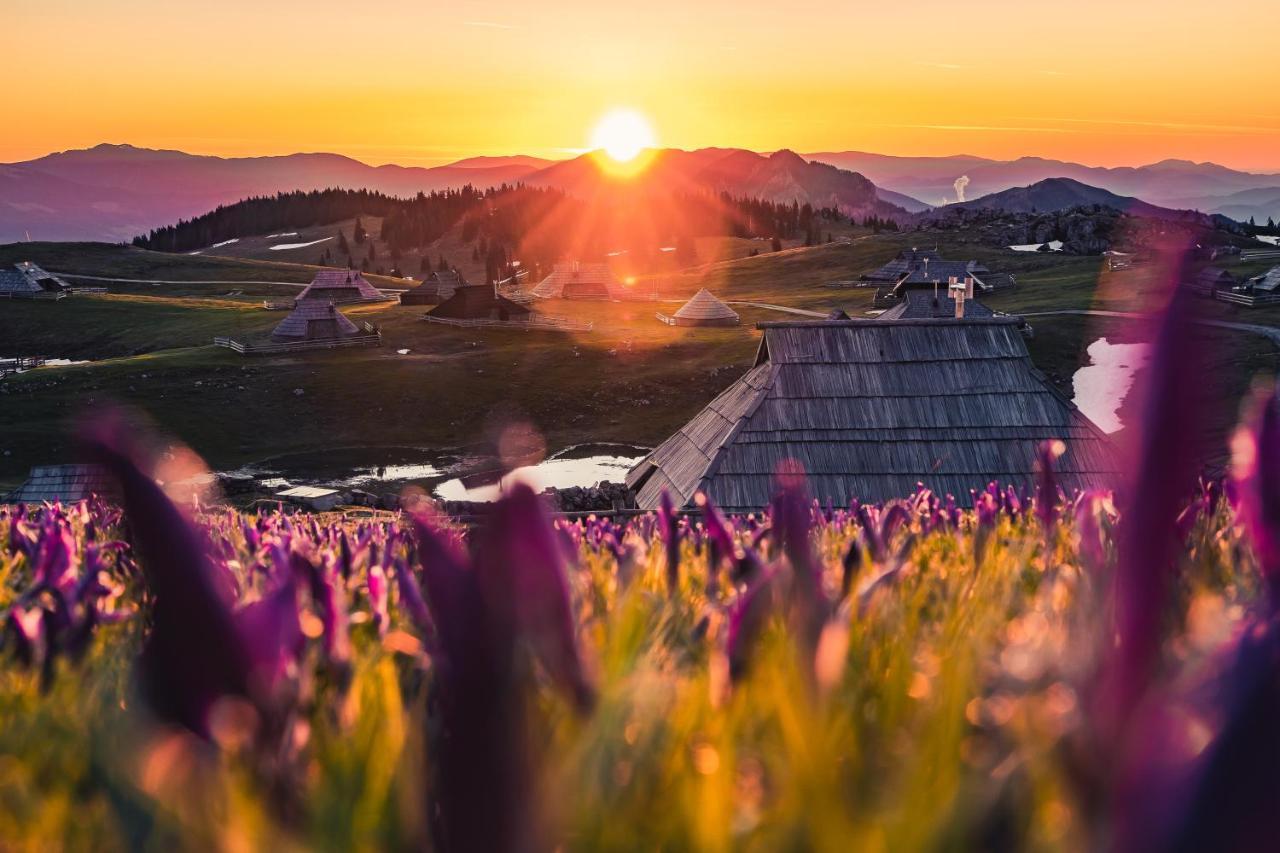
x=1171, y=183
x=1054, y=194
x=782, y=177
x=114, y=192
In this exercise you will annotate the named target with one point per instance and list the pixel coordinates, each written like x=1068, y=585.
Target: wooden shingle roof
x=919, y=304
x=66, y=483
x=575, y=280
x=870, y=408
x=314, y=320
x=340, y=287
x=705, y=307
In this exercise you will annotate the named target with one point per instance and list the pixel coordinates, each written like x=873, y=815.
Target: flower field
x=1016, y=668
x=899, y=677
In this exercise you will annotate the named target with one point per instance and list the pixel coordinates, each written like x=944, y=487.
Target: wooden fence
x=1249, y=300
x=372, y=337
x=546, y=322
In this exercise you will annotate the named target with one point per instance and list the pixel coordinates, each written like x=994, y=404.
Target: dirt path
x=784, y=309
x=1270, y=332
x=159, y=281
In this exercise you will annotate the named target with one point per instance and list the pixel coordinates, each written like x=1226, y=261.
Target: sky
x=1121, y=82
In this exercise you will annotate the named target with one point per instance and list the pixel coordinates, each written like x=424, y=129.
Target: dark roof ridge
x=876, y=323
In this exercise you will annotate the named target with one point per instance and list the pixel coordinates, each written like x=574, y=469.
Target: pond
x=446, y=476
x=1101, y=385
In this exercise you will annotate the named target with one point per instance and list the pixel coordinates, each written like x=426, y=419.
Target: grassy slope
x=127, y=262
x=631, y=379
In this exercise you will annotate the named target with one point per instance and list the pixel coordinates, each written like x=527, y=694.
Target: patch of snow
x=225, y=243
x=1054, y=246
x=402, y=352
x=282, y=246
x=285, y=234
x=1267, y=238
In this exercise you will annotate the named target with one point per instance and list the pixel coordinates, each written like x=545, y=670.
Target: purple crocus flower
x=1047, y=455
x=194, y=653
x=1256, y=473
x=669, y=524
x=747, y=619
x=720, y=541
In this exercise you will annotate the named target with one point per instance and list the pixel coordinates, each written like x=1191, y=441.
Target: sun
x=622, y=134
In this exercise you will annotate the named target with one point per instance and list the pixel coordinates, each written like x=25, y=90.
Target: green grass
x=630, y=380
x=951, y=706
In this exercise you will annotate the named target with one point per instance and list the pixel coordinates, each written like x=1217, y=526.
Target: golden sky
x=1105, y=83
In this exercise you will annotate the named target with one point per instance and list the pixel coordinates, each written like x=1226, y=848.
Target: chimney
x=968, y=287
x=958, y=294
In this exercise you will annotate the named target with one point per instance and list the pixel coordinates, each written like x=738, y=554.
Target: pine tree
x=343, y=246
x=360, y=233
x=443, y=266
x=775, y=245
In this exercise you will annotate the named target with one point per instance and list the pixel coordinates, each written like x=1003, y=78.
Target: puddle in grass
x=445, y=476
x=1101, y=385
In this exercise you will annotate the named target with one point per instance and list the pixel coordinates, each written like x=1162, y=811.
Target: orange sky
x=1106, y=83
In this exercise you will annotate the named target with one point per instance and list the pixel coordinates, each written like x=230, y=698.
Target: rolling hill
x=115, y=192
x=783, y=176
x=1053, y=194
x=1172, y=183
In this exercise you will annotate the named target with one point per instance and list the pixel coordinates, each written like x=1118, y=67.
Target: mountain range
x=1178, y=184
x=116, y=192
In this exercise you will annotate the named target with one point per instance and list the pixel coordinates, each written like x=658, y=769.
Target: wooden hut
x=870, y=408
x=340, y=287
x=1210, y=280
x=574, y=280
x=435, y=288
x=66, y=483
x=702, y=310
x=28, y=281
x=479, y=302
x=313, y=320
x=1262, y=289
x=936, y=305
x=923, y=268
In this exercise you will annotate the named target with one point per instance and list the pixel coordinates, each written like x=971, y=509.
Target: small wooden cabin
x=479, y=302
x=704, y=309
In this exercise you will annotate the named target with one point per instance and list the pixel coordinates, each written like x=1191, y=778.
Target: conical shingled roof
x=339, y=287
x=870, y=408
x=313, y=320
x=704, y=307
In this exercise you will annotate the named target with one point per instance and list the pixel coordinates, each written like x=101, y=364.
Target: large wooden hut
x=479, y=302
x=340, y=287
x=313, y=320
x=575, y=280
x=702, y=310
x=435, y=288
x=28, y=281
x=870, y=408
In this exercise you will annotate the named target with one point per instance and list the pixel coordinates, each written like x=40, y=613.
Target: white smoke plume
x=960, y=184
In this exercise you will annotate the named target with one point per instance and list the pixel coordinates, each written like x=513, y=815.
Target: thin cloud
x=1162, y=125
x=490, y=25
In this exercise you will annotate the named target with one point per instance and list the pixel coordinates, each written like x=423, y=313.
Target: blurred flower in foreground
x=1256, y=471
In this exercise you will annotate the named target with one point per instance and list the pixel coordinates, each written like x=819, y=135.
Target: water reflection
x=554, y=473
x=1101, y=386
